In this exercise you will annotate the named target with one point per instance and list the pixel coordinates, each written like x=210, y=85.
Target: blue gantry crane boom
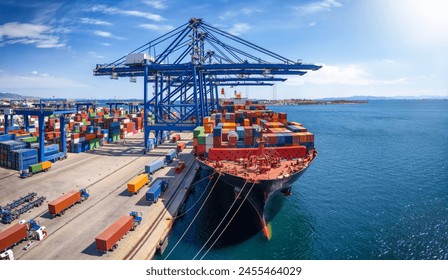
x=185, y=67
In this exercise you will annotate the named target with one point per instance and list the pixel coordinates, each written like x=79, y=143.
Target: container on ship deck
x=201, y=139
x=217, y=141
x=217, y=131
x=197, y=131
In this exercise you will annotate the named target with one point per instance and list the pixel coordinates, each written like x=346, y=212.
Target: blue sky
x=381, y=48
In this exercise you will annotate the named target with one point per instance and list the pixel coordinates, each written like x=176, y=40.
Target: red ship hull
x=258, y=192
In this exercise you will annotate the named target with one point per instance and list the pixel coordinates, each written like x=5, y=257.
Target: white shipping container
x=208, y=147
x=209, y=139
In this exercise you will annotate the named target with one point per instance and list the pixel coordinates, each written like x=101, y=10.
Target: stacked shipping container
x=239, y=126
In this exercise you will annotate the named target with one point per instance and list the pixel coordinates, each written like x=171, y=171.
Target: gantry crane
x=185, y=67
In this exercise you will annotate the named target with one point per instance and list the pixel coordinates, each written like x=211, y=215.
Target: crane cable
x=225, y=216
x=231, y=219
x=194, y=218
x=205, y=190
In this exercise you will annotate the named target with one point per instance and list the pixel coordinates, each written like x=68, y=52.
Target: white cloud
x=388, y=61
x=103, y=33
x=312, y=23
x=36, y=80
x=95, y=21
x=105, y=44
x=239, y=28
x=341, y=75
x=420, y=22
x=158, y=28
x=239, y=12
x=42, y=36
x=95, y=54
x=111, y=10
x=324, y=5
x=156, y=4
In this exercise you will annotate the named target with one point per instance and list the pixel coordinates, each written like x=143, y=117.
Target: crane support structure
x=185, y=67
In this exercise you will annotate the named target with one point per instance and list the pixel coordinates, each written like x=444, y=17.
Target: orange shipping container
x=108, y=238
x=45, y=165
x=137, y=183
x=12, y=235
x=58, y=205
x=90, y=136
x=180, y=146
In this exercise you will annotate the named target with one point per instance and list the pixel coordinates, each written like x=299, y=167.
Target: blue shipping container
x=171, y=154
x=12, y=145
x=7, y=137
x=152, y=195
x=51, y=149
x=154, y=166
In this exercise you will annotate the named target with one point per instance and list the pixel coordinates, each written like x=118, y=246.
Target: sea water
x=378, y=189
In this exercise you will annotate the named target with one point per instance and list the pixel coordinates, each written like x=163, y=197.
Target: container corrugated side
x=110, y=236
x=137, y=183
x=12, y=235
x=63, y=202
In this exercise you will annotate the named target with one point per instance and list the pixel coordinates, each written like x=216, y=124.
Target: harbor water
x=377, y=190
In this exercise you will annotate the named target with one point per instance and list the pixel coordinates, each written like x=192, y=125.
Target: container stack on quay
x=93, y=130
x=239, y=126
x=84, y=130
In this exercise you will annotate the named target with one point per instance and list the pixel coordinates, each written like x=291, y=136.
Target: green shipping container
x=35, y=168
x=201, y=139
x=198, y=131
x=30, y=139
x=94, y=143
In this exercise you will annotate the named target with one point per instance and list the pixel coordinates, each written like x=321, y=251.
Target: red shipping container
x=200, y=150
x=217, y=141
x=108, y=238
x=176, y=138
x=58, y=205
x=249, y=140
x=248, y=131
x=90, y=136
x=180, y=146
x=12, y=235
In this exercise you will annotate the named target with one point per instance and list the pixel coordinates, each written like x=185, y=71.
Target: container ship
x=254, y=151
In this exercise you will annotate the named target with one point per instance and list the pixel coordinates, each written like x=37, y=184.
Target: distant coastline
x=313, y=102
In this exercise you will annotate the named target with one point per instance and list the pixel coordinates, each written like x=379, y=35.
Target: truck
x=9, y=216
x=153, y=166
x=22, y=231
x=108, y=239
x=7, y=255
x=137, y=183
x=58, y=206
x=35, y=168
x=170, y=155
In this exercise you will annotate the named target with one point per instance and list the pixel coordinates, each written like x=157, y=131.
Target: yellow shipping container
x=45, y=165
x=137, y=183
